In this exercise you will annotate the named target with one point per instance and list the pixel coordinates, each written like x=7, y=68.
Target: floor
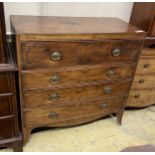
x=138, y=128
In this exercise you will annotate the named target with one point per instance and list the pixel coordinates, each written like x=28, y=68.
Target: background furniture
x=143, y=87
x=2, y=35
x=9, y=127
x=71, y=69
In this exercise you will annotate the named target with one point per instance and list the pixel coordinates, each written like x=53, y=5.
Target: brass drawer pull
x=110, y=73
x=54, y=96
x=116, y=52
x=137, y=96
x=141, y=81
x=55, y=79
x=146, y=65
x=56, y=56
x=103, y=105
x=53, y=115
x=107, y=90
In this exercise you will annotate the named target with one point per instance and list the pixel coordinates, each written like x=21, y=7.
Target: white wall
x=118, y=9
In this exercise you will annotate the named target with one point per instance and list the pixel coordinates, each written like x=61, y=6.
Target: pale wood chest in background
x=143, y=87
x=73, y=70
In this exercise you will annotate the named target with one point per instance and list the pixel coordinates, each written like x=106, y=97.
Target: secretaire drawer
x=48, y=54
x=57, y=96
x=6, y=105
x=58, y=114
x=66, y=75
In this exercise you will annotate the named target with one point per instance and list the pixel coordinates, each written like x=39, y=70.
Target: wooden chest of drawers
x=143, y=86
x=73, y=70
x=10, y=135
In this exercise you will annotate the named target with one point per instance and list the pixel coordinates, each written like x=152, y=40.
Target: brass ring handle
x=141, y=81
x=107, y=90
x=56, y=56
x=54, y=96
x=103, y=105
x=55, y=79
x=110, y=73
x=53, y=115
x=116, y=52
x=146, y=65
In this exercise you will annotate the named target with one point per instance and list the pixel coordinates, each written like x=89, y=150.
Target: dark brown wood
x=152, y=28
x=142, y=16
x=5, y=104
x=9, y=126
x=2, y=35
x=9, y=123
x=78, y=53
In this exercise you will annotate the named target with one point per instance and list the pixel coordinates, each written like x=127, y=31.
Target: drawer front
x=58, y=114
x=143, y=81
x=5, y=105
x=146, y=66
x=47, y=54
x=63, y=95
x=60, y=76
x=141, y=98
x=6, y=128
x=4, y=82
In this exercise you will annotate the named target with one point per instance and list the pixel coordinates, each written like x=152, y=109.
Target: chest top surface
x=50, y=25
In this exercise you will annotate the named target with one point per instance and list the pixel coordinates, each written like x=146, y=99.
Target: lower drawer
x=6, y=128
x=5, y=82
x=51, y=115
x=143, y=81
x=141, y=98
x=6, y=104
x=79, y=92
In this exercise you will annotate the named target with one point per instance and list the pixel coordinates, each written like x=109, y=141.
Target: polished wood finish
x=99, y=52
x=38, y=116
x=77, y=93
x=10, y=135
x=77, y=74
x=73, y=70
x=42, y=25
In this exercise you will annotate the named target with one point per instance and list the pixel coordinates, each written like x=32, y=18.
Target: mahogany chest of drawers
x=9, y=127
x=73, y=70
x=10, y=135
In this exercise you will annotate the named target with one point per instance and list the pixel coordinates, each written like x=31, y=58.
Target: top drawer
x=48, y=54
